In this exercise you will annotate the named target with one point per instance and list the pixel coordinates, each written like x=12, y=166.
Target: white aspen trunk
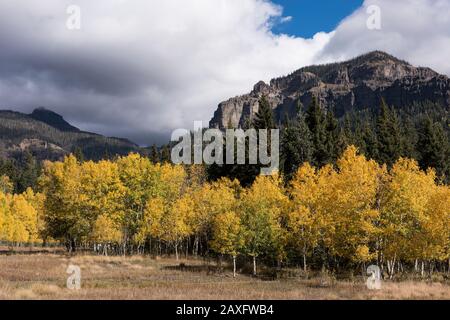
x=187, y=248
x=304, y=262
x=176, y=251
x=423, y=269
x=254, y=266
x=234, y=266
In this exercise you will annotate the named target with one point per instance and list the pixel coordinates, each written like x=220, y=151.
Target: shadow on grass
x=196, y=268
x=222, y=270
x=7, y=252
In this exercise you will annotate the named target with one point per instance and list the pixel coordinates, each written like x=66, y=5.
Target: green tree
x=389, y=136
x=434, y=148
x=227, y=235
x=370, y=140
x=264, y=117
x=263, y=207
x=296, y=145
x=165, y=154
x=78, y=153
x=29, y=174
x=332, y=146
x=316, y=121
x=154, y=154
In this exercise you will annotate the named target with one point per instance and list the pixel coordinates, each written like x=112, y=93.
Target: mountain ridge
x=48, y=136
x=355, y=84
x=53, y=119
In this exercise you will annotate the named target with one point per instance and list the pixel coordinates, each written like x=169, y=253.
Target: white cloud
x=140, y=68
x=286, y=19
x=417, y=31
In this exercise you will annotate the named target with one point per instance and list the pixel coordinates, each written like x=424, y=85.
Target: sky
x=304, y=18
x=140, y=69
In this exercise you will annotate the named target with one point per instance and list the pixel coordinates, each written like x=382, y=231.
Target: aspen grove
x=339, y=217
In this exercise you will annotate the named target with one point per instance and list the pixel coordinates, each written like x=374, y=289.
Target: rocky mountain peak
x=356, y=84
x=53, y=119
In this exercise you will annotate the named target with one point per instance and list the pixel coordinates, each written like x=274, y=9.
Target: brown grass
x=43, y=276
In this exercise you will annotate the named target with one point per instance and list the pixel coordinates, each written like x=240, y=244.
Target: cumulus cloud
x=417, y=31
x=141, y=68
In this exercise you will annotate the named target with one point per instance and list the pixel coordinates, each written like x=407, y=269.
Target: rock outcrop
x=356, y=84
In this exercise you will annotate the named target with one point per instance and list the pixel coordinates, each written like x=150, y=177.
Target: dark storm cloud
x=142, y=68
x=139, y=69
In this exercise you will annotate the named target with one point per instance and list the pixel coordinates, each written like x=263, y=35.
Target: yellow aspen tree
x=25, y=220
x=136, y=176
x=263, y=207
x=6, y=186
x=105, y=232
x=436, y=226
x=153, y=217
x=4, y=208
x=350, y=199
x=163, y=205
x=67, y=216
x=210, y=200
x=403, y=211
x=105, y=199
x=304, y=223
x=227, y=235
x=171, y=220
x=37, y=201
x=7, y=231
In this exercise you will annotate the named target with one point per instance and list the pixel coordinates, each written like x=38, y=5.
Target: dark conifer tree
x=296, y=145
x=316, y=121
x=264, y=117
x=332, y=147
x=154, y=154
x=165, y=154
x=434, y=148
x=369, y=138
x=409, y=138
x=29, y=174
x=389, y=136
x=78, y=153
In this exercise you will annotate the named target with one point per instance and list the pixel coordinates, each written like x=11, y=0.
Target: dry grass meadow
x=42, y=275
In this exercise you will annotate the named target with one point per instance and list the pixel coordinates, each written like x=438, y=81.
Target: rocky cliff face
x=352, y=85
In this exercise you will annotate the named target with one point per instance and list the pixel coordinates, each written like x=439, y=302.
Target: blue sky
x=312, y=16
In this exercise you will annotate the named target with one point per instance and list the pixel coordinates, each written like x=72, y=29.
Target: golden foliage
x=356, y=211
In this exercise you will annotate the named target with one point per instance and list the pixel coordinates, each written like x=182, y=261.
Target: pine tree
x=389, y=136
x=434, y=148
x=409, y=138
x=165, y=154
x=264, y=117
x=369, y=138
x=296, y=145
x=316, y=121
x=332, y=146
x=29, y=174
x=78, y=153
x=154, y=154
x=246, y=173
